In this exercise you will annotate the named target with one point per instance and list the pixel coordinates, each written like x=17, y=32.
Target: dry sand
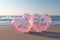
x=9, y=33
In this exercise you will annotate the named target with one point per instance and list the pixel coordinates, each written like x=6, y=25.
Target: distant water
x=7, y=20
x=55, y=20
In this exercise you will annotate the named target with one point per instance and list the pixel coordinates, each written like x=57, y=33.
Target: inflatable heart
x=23, y=24
x=37, y=26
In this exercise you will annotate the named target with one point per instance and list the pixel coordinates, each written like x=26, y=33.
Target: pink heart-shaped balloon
x=38, y=27
x=20, y=26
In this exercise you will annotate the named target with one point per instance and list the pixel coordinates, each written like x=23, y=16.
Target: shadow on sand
x=46, y=34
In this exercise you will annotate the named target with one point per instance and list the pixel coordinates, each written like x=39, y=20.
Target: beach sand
x=9, y=33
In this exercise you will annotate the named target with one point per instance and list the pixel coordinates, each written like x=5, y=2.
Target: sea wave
x=7, y=20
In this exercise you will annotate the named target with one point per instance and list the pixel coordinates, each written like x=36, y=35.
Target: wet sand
x=9, y=33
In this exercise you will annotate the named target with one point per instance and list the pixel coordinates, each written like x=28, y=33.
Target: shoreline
x=9, y=33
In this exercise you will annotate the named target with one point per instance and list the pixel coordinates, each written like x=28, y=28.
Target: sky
x=20, y=7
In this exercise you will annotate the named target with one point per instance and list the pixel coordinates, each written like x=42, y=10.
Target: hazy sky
x=19, y=7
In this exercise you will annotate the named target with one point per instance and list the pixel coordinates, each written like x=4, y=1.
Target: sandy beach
x=9, y=33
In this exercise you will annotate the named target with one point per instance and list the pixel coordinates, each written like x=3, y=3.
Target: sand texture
x=9, y=33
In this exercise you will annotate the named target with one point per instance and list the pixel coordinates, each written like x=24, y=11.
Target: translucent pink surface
x=32, y=23
x=25, y=28
x=38, y=27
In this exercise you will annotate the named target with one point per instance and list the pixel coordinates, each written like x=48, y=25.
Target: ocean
x=7, y=20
